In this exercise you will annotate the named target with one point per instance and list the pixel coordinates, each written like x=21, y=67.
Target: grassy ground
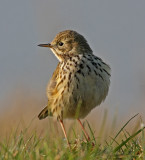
x=31, y=146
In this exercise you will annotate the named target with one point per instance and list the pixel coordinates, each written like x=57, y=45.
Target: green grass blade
x=91, y=132
x=74, y=133
x=124, y=142
x=116, y=143
x=123, y=127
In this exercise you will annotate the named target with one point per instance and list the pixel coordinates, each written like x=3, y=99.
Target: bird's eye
x=60, y=43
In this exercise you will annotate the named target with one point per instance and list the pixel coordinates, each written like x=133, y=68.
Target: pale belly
x=91, y=91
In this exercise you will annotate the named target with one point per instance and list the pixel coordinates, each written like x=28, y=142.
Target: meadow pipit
x=81, y=79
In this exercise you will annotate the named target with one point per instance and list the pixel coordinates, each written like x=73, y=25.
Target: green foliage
x=24, y=146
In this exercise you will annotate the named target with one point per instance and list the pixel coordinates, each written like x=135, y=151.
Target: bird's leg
x=62, y=126
x=86, y=134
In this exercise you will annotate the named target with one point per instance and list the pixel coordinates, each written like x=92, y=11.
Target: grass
x=31, y=146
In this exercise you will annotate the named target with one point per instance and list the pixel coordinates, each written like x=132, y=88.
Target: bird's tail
x=44, y=113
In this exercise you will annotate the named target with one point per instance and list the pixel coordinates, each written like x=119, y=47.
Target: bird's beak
x=45, y=45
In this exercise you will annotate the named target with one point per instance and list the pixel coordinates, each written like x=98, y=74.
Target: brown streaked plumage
x=79, y=77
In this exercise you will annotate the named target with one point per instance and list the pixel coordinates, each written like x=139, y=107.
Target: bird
x=80, y=81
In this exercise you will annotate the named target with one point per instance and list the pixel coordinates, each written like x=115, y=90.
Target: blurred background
x=115, y=31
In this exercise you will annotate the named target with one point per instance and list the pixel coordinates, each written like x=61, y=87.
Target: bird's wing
x=53, y=81
x=50, y=91
x=44, y=113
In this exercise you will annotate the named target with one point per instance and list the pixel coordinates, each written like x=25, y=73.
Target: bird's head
x=68, y=43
